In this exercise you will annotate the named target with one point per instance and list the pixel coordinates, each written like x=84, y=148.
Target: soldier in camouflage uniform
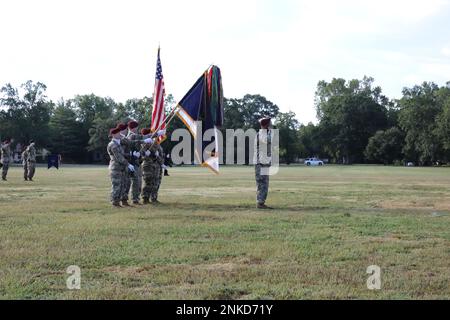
x=153, y=159
x=31, y=160
x=135, y=181
x=129, y=143
x=6, y=157
x=262, y=163
x=118, y=165
x=25, y=164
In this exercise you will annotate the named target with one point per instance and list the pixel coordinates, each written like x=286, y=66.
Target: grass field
x=207, y=240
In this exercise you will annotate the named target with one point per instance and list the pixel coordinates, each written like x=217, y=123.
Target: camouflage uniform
x=262, y=161
x=31, y=161
x=25, y=164
x=117, y=170
x=152, y=171
x=132, y=143
x=5, y=159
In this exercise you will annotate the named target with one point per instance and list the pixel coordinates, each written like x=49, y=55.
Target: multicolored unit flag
x=204, y=104
x=158, y=114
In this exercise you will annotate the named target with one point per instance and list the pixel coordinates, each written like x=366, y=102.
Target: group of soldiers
x=28, y=159
x=138, y=157
x=135, y=157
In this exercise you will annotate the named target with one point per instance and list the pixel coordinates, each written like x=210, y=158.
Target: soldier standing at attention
x=263, y=161
x=126, y=145
x=5, y=157
x=118, y=167
x=153, y=159
x=25, y=164
x=31, y=160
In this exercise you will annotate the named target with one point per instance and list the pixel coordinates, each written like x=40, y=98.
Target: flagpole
x=171, y=115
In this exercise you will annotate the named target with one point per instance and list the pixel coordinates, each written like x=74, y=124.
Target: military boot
x=146, y=201
x=116, y=204
x=125, y=203
x=262, y=206
x=136, y=202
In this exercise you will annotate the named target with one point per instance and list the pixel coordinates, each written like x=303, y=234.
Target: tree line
x=356, y=122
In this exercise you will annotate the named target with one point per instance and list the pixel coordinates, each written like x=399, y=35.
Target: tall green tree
x=66, y=133
x=288, y=127
x=385, y=146
x=419, y=110
x=311, y=141
x=244, y=113
x=349, y=113
x=442, y=129
x=25, y=113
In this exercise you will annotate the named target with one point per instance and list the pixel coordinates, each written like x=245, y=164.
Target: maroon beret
x=114, y=131
x=145, y=131
x=264, y=121
x=121, y=126
x=132, y=124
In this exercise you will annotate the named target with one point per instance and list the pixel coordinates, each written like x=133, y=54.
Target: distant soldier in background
x=167, y=163
x=6, y=157
x=24, y=157
x=118, y=166
x=262, y=161
x=153, y=159
x=31, y=160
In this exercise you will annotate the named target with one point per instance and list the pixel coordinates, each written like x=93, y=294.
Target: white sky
x=276, y=48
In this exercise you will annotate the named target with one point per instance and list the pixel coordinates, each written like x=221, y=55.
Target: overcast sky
x=276, y=48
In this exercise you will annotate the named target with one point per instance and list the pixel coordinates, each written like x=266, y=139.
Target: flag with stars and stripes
x=158, y=114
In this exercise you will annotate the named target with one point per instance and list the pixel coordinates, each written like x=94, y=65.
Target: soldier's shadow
x=230, y=207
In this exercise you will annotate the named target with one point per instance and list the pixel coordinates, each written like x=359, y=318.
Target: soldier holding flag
x=135, y=180
x=118, y=165
x=128, y=144
x=153, y=159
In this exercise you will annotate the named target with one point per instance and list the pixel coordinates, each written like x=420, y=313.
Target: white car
x=313, y=162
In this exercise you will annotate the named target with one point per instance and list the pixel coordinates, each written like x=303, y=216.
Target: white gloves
x=136, y=154
x=161, y=132
x=131, y=167
x=148, y=140
x=147, y=153
x=156, y=153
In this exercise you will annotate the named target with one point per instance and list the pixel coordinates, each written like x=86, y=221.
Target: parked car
x=313, y=162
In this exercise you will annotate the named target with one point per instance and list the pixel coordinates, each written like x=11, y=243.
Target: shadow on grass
x=230, y=207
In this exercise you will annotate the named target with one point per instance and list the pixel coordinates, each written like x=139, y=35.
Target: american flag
x=159, y=114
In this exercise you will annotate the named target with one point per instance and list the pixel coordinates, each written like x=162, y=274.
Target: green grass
x=207, y=240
